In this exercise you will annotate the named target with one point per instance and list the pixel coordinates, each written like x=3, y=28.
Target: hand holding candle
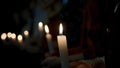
x=62, y=44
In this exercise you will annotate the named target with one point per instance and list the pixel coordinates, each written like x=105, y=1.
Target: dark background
x=7, y=8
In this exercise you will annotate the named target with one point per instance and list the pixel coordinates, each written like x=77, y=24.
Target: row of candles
x=61, y=40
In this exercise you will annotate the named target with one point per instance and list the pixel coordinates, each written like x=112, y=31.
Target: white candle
x=49, y=39
x=40, y=27
x=62, y=44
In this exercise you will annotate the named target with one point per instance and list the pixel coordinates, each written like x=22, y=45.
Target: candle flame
x=9, y=34
x=40, y=24
x=13, y=35
x=3, y=36
x=46, y=29
x=26, y=33
x=60, y=29
x=19, y=37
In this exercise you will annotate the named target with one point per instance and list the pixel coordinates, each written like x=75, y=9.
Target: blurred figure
x=44, y=10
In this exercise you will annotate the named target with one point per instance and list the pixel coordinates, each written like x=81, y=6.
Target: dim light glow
x=107, y=29
x=3, y=36
x=26, y=33
x=116, y=7
x=46, y=29
x=60, y=29
x=19, y=37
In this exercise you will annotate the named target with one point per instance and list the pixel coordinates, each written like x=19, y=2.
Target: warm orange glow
x=46, y=29
x=3, y=36
x=26, y=33
x=20, y=38
x=60, y=29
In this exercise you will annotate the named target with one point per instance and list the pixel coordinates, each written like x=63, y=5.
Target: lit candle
x=13, y=36
x=9, y=35
x=20, y=41
x=9, y=38
x=27, y=38
x=62, y=44
x=49, y=39
x=3, y=36
x=26, y=33
x=27, y=41
x=40, y=26
x=19, y=38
